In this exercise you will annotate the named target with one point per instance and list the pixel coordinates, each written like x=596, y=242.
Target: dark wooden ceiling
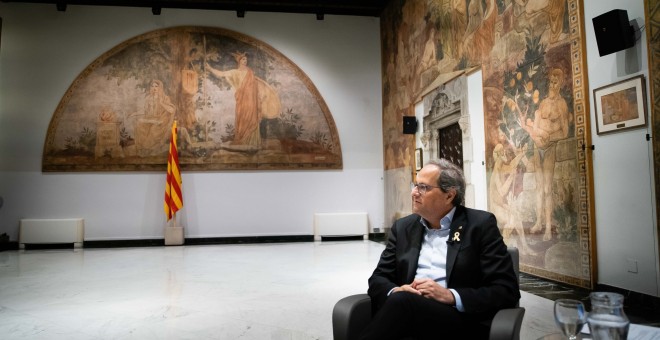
x=319, y=7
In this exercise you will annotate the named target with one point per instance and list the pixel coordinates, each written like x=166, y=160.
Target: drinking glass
x=570, y=316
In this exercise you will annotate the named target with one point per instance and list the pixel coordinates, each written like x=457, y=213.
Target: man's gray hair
x=451, y=177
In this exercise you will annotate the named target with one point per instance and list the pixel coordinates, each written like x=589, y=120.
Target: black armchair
x=352, y=314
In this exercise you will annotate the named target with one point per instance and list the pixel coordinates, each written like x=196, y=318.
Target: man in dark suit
x=445, y=271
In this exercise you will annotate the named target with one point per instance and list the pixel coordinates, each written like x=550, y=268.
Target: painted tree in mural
x=238, y=103
x=165, y=69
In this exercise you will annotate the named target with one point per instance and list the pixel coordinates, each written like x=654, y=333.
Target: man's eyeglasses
x=422, y=188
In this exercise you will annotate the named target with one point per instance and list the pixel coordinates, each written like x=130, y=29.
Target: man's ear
x=451, y=193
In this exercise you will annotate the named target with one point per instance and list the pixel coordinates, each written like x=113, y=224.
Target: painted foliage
x=238, y=103
x=532, y=61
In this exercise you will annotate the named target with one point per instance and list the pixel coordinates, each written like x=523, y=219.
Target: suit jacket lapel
x=456, y=233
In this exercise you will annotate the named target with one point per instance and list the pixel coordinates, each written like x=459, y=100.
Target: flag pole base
x=173, y=236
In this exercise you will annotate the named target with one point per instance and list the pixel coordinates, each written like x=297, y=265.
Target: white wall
x=478, y=134
x=623, y=178
x=43, y=51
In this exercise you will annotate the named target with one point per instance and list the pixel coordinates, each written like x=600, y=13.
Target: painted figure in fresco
x=479, y=36
x=255, y=99
x=458, y=22
x=153, y=126
x=429, y=58
x=503, y=201
x=550, y=125
x=541, y=13
x=426, y=70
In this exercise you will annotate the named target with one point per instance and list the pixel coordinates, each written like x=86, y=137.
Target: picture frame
x=621, y=105
x=419, y=159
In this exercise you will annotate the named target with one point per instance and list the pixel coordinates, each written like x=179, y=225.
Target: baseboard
x=249, y=239
x=376, y=237
x=342, y=238
x=199, y=241
x=11, y=245
x=632, y=298
x=124, y=243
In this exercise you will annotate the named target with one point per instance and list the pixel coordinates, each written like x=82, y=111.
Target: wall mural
x=239, y=104
x=531, y=54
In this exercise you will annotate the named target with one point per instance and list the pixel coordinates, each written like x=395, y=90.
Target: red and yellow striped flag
x=173, y=198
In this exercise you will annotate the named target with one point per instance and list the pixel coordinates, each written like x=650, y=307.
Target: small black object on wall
x=409, y=125
x=613, y=32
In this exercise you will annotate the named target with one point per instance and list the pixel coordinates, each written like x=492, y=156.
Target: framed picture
x=621, y=105
x=418, y=159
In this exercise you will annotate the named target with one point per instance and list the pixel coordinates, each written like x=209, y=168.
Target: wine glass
x=570, y=317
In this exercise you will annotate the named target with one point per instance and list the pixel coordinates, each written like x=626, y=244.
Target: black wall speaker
x=409, y=125
x=613, y=32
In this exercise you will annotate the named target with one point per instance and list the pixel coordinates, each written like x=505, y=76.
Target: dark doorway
x=450, y=144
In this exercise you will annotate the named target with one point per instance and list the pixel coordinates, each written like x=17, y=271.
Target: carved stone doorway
x=446, y=129
x=445, y=123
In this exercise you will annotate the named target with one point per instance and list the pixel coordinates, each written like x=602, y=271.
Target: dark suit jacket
x=479, y=267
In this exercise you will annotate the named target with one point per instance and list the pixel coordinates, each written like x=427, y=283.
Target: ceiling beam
x=335, y=7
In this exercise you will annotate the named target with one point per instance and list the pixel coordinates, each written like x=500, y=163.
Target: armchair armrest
x=506, y=324
x=350, y=316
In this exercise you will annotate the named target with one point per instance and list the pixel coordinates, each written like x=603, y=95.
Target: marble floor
x=243, y=291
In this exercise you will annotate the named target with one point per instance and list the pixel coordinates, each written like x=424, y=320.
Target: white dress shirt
x=432, y=263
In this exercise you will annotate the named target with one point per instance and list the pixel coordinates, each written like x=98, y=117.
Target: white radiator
x=341, y=224
x=47, y=231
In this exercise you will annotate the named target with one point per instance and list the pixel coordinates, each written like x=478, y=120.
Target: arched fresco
x=238, y=103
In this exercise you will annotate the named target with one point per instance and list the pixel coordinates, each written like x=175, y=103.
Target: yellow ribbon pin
x=456, y=237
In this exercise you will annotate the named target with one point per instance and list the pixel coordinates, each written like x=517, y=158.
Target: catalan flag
x=173, y=198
